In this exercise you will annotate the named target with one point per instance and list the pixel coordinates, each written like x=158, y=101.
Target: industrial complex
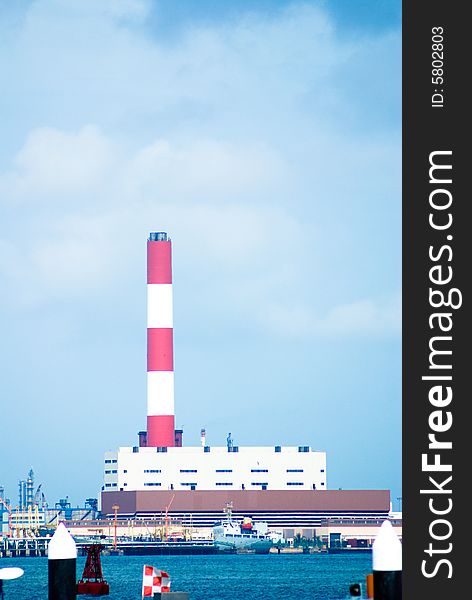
x=32, y=515
x=285, y=486
x=160, y=489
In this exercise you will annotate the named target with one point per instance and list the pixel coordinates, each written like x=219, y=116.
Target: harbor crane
x=167, y=517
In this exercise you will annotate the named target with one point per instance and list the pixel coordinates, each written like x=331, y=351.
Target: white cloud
x=214, y=197
x=69, y=259
x=235, y=138
x=53, y=161
x=206, y=169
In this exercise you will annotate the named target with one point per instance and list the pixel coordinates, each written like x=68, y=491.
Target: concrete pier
x=20, y=547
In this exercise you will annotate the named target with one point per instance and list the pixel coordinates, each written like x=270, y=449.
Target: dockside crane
x=167, y=517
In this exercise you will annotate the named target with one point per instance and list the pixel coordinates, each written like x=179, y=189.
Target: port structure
x=160, y=462
x=286, y=486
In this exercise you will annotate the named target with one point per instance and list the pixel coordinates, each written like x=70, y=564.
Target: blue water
x=220, y=577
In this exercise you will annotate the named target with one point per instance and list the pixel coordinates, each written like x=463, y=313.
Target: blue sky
x=265, y=138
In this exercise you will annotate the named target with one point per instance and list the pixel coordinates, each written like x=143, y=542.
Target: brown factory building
x=279, y=508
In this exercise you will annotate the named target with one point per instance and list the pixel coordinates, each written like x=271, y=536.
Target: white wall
x=248, y=466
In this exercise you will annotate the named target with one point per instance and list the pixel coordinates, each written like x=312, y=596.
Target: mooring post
x=9, y=573
x=387, y=564
x=62, y=557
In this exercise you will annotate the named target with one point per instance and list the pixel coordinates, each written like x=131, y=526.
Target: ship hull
x=259, y=546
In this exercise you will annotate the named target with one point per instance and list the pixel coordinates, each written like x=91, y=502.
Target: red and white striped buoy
x=160, y=359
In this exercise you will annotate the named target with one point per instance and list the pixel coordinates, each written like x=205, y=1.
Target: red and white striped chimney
x=160, y=347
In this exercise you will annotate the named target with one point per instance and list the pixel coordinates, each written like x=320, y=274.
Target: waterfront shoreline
x=221, y=577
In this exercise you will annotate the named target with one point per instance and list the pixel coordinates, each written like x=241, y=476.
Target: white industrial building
x=215, y=468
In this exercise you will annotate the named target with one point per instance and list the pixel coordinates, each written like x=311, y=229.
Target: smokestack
x=203, y=437
x=160, y=361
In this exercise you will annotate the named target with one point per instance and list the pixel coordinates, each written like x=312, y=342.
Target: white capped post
x=9, y=573
x=387, y=564
x=62, y=556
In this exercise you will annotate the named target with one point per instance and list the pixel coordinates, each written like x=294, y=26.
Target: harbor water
x=218, y=577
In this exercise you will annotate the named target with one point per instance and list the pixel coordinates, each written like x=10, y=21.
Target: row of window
x=194, y=485
x=224, y=483
x=108, y=461
x=300, y=448
x=216, y=470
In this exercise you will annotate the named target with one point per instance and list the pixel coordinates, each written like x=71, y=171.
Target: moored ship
x=233, y=536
